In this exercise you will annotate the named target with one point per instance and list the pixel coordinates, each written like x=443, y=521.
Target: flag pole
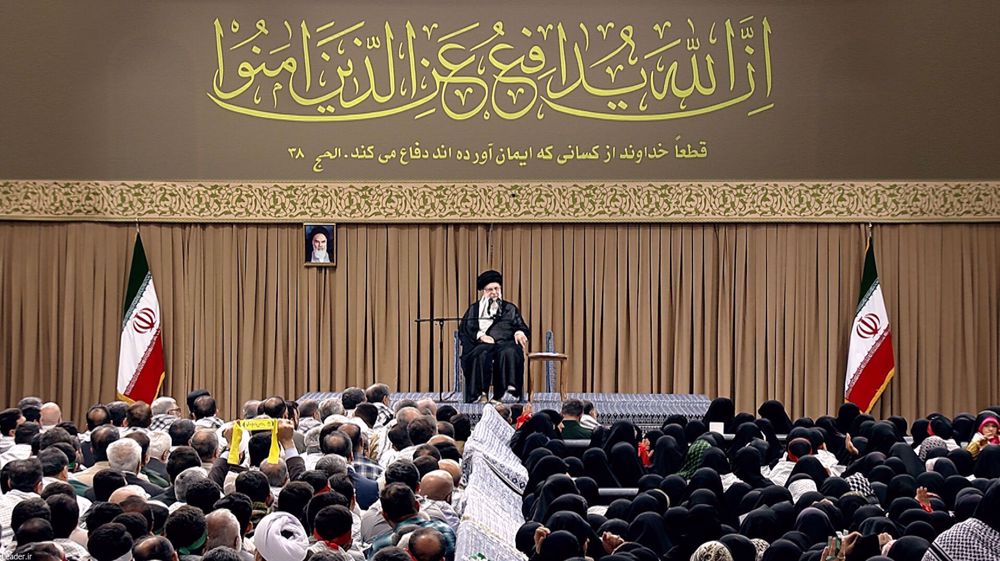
x=870, y=360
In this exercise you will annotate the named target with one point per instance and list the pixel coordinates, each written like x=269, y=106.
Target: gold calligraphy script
x=612, y=71
x=499, y=155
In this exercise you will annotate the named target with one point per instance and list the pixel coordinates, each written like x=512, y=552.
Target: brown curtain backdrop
x=754, y=311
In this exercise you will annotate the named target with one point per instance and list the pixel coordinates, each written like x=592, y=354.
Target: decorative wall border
x=723, y=201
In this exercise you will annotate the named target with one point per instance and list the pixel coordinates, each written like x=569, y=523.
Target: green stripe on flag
x=136, y=278
x=127, y=314
x=869, y=278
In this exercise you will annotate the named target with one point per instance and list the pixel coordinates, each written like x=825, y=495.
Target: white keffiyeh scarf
x=972, y=540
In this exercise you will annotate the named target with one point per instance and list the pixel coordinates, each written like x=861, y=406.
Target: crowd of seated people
x=358, y=477
x=846, y=487
x=344, y=479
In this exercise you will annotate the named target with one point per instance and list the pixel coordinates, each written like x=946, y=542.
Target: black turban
x=487, y=277
x=317, y=230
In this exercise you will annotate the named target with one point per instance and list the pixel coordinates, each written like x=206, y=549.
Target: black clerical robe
x=499, y=364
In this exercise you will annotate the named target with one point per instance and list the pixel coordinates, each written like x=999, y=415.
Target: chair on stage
x=549, y=358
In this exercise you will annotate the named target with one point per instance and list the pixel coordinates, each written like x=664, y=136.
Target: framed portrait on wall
x=320, y=245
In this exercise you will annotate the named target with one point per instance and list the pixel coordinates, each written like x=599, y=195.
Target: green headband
x=194, y=547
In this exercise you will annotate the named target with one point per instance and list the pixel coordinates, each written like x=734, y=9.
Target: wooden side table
x=544, y=358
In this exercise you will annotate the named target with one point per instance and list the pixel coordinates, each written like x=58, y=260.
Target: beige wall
x=752, y=311
x=861, y=90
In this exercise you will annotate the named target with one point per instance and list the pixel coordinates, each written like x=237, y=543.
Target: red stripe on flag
x=871, y=381
x=146, y=383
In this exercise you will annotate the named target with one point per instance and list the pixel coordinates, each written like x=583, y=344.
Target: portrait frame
x=308, y=232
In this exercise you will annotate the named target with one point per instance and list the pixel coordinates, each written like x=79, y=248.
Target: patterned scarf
x=859, y=484
x=971, y=540
x=930, y=443
x=695, y=456
x=712, y=551
x=761, y=547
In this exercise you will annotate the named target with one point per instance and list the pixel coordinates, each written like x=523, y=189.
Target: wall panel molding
x=416, y=202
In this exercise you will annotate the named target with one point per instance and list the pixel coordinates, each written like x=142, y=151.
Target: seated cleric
x=494, y=339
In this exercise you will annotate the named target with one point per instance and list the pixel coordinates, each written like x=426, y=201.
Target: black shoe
x=516, y=393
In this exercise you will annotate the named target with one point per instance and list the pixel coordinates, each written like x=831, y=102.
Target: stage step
x=648, y=411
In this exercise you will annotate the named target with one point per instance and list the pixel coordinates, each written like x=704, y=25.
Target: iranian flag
x=870, y=364
x=140, y=357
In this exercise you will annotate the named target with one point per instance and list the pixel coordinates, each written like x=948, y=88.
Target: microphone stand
x=440, y=321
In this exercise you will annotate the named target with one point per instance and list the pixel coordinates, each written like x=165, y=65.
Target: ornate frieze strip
x=723, y=201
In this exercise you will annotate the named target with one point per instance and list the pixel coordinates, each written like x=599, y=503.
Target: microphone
x=499, y=304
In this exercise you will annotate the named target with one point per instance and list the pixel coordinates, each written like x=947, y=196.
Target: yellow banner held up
x=252, y=425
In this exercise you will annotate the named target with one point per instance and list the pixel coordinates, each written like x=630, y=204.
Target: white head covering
x=279, y=536
x=801, y=487
x=712, y=551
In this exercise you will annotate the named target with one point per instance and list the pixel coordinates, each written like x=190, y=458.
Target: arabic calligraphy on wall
x=641, y=71
x=496, y=155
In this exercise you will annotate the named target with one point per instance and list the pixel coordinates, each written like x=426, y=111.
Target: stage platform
x=646, y=410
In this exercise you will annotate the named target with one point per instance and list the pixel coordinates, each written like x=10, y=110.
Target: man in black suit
x=494, y=339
